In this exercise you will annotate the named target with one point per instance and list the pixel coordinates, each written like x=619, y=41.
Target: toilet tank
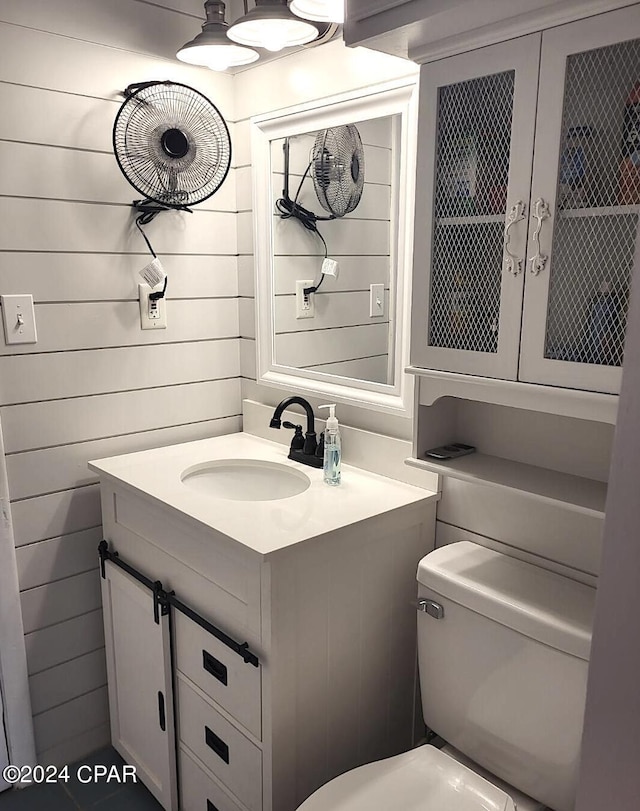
x=503, y=672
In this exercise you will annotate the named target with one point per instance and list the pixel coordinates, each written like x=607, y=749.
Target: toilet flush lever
x=431, y=608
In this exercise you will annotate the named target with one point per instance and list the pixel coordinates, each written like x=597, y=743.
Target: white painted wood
x=66, y=277
x=244, y=221
x=247, y=318
x=113, y=69
x=549, y=399
x=71, y=226
x=49, y=516
x=84, y=418
x=372, y=368
x=16, y=729
x=446, y=534
x=112, y=324
x=355, y=274
x=331, y=310
x=242, y=772
x=573, y=492
x=396, y=100
x=64, y=642
x=65, y=467
x=246, y=276
x=238, y=693
x=51, y=688
x=73, y=750
x=139, y=650
x=557, y=46
x=522, y=57
x=248, y=358
x=55, y=602
x=332, y=345
x=58, y=375
x=570, y=537
x=57, y=558
x=63, y=724
x=197, y=786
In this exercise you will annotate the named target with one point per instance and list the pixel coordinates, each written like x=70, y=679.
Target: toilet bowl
x=503, y=658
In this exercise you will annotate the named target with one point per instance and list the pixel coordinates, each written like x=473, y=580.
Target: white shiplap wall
x=342, y=338
x=96, y=385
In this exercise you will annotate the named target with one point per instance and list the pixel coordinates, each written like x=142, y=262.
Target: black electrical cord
x=144, y=219
x=289, y=208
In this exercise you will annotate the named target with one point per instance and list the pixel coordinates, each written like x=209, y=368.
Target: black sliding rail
x=163, y=601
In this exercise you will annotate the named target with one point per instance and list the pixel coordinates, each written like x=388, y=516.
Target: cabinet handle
x=215, y=667
x=162, y=717
x=217, y=744
x=539, y=259
x=512, y=262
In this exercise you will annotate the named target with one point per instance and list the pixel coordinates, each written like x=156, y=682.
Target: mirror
x=333, y=211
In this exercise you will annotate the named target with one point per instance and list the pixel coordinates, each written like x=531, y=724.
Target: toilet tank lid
x=535, y=602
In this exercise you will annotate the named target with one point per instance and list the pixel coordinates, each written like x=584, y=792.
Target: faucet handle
x=297, y=443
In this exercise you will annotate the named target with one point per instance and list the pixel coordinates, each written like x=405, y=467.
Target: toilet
x=503, y=653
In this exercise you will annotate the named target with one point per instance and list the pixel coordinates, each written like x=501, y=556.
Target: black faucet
x=305, y=450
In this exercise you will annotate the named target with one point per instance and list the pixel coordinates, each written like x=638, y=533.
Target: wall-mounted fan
x=337, y=169
x=173, y=146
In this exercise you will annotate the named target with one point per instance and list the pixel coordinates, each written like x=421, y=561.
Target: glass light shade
x=272, y=26
x=212, y=48
x=324, y=11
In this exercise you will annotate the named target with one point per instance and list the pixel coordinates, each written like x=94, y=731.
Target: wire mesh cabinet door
x=585, y=203
x=476, y=128
x=140, y=683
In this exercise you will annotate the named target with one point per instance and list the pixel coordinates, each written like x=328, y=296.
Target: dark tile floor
x=75, y=795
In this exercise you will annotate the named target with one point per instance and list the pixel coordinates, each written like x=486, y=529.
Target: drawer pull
x=217, y=744
x=215, y=667
x=211, y=806
x=162, y=718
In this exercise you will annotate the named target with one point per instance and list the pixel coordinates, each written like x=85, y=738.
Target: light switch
x=19, y=319
x=376, y=300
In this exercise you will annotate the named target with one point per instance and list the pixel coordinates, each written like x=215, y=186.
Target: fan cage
x=338, y=169
x=172, y=144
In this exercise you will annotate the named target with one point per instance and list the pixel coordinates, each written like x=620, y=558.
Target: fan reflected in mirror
x=335, y=221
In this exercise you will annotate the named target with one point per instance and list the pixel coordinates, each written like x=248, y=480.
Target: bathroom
x=95, y=385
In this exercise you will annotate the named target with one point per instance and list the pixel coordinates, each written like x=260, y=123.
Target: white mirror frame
x=396, y=98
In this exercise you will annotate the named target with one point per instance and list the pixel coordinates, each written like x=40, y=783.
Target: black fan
x=171, y=144
x=338, y=169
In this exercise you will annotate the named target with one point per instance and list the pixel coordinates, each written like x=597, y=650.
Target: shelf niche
x=552, y=458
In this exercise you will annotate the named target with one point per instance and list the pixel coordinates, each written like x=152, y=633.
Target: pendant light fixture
x=324, y=11
x=272, y=26
x=212, y=48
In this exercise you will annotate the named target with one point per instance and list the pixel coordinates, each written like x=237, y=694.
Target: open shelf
x=583, y=495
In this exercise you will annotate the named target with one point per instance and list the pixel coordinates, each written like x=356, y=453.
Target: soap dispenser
x=332, y=448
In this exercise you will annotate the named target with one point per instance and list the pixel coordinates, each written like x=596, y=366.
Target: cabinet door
x=587, y=177
x=140, y=685
x=476, y=126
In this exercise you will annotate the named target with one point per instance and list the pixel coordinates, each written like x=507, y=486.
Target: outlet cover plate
x=146, y=320
x=305, y=308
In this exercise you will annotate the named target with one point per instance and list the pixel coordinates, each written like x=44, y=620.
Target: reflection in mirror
x=335, y=197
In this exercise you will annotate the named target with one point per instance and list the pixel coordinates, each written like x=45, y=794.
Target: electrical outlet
x=305, y=305
x=376, y=300
x=153, y=313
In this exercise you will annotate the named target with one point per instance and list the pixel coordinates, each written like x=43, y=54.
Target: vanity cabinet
x=330, y=620
x=528, y=207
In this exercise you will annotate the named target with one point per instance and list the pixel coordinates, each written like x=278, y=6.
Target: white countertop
x=264, y=526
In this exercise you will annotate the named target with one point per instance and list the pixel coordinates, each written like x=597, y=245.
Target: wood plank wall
x=96, y=385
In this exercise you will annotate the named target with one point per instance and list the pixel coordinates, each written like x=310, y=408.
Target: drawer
x=223, y=749
x=199, y=791
x=219, y=672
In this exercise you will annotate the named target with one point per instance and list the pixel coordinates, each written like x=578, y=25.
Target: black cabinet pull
x=161, y=712
x=217, y=744
x=211, y=806
x=215, y=667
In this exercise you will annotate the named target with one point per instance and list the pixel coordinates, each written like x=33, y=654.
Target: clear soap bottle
x=332, y=448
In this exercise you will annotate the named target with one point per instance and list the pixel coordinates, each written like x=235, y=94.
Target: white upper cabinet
x=524, y=247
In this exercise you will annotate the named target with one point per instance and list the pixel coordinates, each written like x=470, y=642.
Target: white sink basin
x=245, y=480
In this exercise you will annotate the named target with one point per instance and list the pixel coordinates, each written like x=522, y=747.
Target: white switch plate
x=153, y=315
x=19, y=319
x=376, y=300
x=305, y=308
